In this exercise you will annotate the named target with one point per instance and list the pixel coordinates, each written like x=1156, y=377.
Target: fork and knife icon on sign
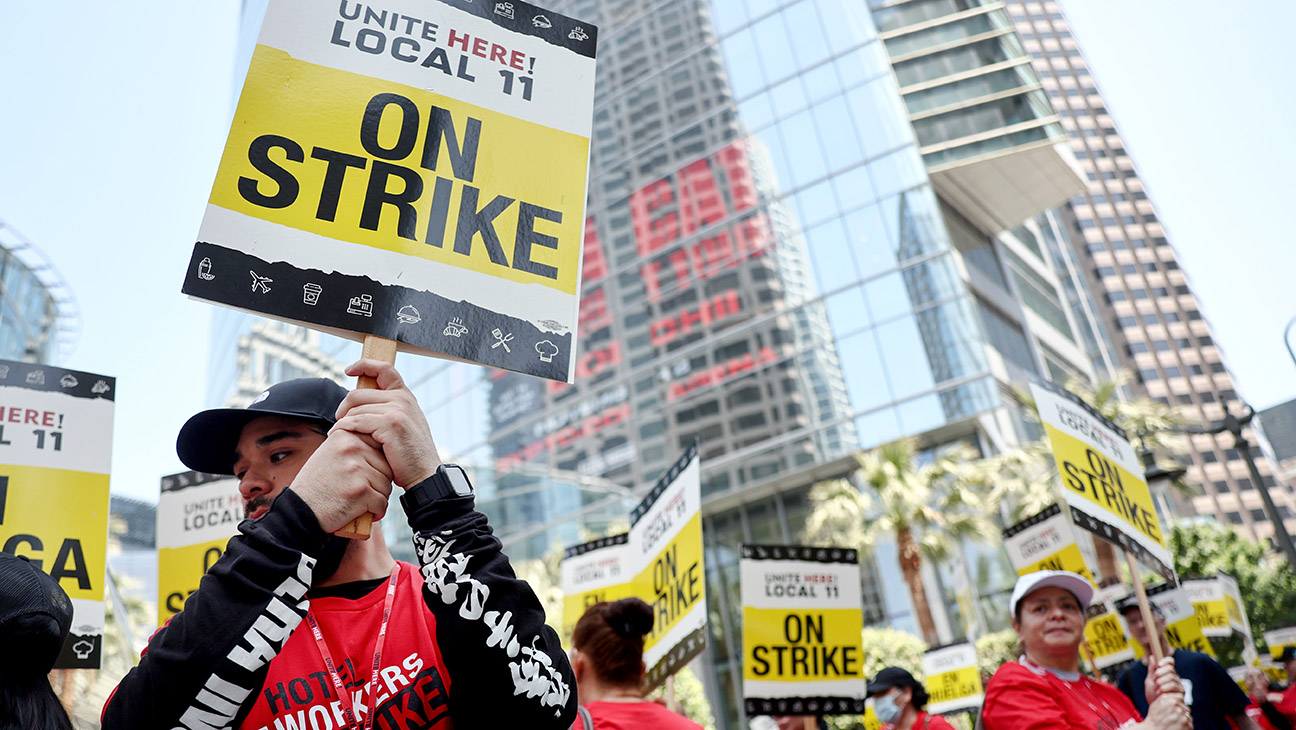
x=501, y=339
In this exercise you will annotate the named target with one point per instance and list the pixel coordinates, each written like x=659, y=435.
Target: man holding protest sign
x=466, y=638
x=1209, y=691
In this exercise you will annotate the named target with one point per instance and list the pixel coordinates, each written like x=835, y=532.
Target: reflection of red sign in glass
x=594, y=314
x=591, y=364
x=565, y=436
x=674, y=207
x=701, y=260
x=721, y=306
x=594, y=263
x=720, y=373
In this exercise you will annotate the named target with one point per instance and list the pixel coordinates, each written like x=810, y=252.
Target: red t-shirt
x=1020, y=698
x=1287, y=706
x=927, y=722
x=635, y=716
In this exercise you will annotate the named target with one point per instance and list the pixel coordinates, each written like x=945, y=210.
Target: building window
x=1221, y=487
x=1234, y=517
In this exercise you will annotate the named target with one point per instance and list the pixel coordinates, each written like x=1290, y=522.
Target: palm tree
x=927, y=509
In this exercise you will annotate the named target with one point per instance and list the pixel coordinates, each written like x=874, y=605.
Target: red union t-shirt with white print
x=1021, y=697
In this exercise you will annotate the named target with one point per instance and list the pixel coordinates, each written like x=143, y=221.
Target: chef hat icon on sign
x=547, y=350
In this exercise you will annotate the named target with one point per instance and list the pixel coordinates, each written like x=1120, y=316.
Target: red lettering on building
x=594, y=263
x=720, y=373
x=565, y=436
x=591, y=364
x=719, y=307
x=594, y=314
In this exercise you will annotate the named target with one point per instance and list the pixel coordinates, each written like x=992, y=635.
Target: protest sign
x=1279, y=639
x=666, y=546
x=55, y=455
x=802, y=617
x=1045, y=541
x=1105, y=632
x=1102, y=478
x=413, y=171
x=197, y=514
x=1218, y=604
x=1183, y=630
x=593, y=572
x=953, y=680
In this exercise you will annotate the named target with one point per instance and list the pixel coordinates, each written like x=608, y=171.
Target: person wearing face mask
x=1044, y=689
x=898, y=702
x=296, y=627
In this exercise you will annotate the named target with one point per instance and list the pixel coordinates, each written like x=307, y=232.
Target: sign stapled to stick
x=1279, y=639
x=412, y=170
x=953, y=679
x=1105, y=632
x=1102, y=477
x=666, y=543
x=1183, y=629
x=594, y=572
x=197, y=514
x=55, y=456
x=1045, y=541
x=659, y=561
x=802, y=648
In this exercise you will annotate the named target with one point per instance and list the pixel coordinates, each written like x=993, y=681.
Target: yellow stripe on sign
x=1115, y=493
x=1185, y=634
x=179, y=572
x=955, y=685
x=394, y=167
x=802, y=645
x=58, y=519
x=1106, y=636
x=1212, y=614
x=674, y=581
x=575, y=604
x=1068, y=558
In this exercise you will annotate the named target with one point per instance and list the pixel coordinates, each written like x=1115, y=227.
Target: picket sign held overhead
x=1045, y=541
x=660, y=561
x=953, y=679
x=416, y=174
x=802, y=617
x=197, y=514
x=1218, y=604
x=56, y=431
x=1279, y=639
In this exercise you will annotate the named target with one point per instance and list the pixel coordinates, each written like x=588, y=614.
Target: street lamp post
x=1234, y=425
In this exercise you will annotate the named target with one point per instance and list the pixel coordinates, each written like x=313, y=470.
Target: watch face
x=458, y=479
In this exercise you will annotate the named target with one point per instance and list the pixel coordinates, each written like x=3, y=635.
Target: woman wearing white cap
x=1044, y=689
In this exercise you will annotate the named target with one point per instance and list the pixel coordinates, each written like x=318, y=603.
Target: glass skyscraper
x=39, y=319
x=1145, y=298
x=790, y=257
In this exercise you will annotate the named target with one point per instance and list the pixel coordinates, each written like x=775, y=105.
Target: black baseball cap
x=207, y=441
x=35, y=616
x=1288, y=654
x=891, y=677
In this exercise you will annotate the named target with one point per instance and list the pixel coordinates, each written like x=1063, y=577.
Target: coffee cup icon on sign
x=311, y=293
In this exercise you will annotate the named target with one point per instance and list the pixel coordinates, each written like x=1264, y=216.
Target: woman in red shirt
x=607, y=659
x=1044, y=689
x=898, y=702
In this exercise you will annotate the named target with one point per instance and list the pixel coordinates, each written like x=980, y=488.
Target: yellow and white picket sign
x=666, y=547
x=802, y=649
x=594, y=572
x=1105, y=631
x=197, y=514
x=953, y=679
x=413, y=173
x=1218, y=604
x=56, y=429
x=659, y=561
x=1183, y=630
x=1102, y=477
x=1045, y=541
x=1279, y=639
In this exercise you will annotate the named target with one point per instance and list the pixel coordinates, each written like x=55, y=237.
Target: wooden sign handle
x=375, y=348
x=1145, y=607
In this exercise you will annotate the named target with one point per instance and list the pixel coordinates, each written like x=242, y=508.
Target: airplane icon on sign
x=259, y=282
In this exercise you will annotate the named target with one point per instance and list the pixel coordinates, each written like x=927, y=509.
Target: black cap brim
x=876, y=688
x=207, y=441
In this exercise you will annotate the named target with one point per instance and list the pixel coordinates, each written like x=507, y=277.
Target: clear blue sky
x=115, y=116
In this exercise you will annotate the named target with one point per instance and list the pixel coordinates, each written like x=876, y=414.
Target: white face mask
x=886, y=709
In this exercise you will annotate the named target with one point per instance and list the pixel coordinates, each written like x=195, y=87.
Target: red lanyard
x=348, y=712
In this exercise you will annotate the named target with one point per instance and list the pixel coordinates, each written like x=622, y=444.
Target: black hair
x=612, y=636
x=27, y=701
